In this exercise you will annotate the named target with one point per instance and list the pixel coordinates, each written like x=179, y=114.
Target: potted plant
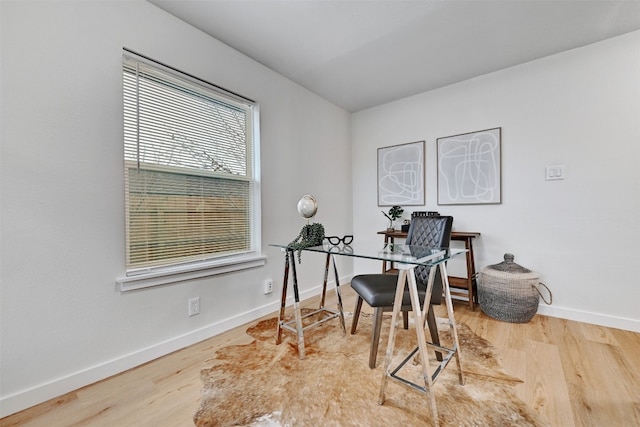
x=394, y=213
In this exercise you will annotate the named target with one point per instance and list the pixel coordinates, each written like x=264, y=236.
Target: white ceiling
x=362, y=53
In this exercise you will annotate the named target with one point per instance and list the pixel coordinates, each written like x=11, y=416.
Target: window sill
x=190, y=272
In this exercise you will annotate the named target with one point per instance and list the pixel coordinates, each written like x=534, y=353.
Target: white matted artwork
x=469, y=169
x=401, y=175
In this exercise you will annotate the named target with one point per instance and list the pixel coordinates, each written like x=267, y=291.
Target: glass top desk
x=406, y=259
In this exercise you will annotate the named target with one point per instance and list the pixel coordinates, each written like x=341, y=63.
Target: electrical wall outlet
x=194, y=306
x=268, y=286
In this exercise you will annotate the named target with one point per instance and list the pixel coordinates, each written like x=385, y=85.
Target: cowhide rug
x=263, y=384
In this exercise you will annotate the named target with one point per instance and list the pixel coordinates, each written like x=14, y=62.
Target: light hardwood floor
x=574, y=374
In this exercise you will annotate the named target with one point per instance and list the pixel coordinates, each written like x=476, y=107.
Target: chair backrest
x=429, y=231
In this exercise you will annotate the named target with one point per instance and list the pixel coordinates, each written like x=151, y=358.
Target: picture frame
x=401, y=175
x=469, y=168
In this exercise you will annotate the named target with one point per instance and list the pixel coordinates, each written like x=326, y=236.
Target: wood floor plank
x=598, y=334
x=614, y=391
x=574, y=374
x=514, y=363
x=546, y=390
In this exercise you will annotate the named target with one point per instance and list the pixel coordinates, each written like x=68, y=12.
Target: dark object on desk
x=424, y=213
x=509, y=292
x=310, y=235
x=378, y=290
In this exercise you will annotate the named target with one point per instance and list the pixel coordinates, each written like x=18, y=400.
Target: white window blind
x=189, y=168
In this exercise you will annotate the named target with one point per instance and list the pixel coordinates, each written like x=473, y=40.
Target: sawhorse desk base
x=296, y=325
x=391, y=373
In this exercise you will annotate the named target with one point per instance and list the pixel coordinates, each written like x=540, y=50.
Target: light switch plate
x=555, y=172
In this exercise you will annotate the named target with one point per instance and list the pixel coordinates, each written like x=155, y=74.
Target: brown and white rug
x=261, y=384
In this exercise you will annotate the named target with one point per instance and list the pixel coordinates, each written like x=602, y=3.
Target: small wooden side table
x=461, y=286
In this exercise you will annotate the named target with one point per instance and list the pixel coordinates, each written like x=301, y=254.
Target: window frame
x=138, y=278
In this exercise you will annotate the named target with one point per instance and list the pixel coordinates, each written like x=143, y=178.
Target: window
x=191, y=176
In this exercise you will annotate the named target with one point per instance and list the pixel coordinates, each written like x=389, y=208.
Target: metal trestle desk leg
x=391, y=373
x=296, y=325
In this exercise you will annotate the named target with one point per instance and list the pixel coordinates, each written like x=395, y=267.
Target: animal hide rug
x=263, y=384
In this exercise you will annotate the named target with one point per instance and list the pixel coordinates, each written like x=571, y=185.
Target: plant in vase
x=394, y=213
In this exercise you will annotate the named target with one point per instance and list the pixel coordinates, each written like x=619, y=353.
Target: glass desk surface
x=406, y=254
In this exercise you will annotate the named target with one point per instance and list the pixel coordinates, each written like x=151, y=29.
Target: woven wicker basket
x=509, y=292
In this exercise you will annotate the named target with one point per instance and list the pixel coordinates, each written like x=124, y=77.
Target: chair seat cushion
x=379, y=290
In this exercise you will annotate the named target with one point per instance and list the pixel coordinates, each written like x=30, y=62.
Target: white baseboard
x=24, y=399
x=589, y=317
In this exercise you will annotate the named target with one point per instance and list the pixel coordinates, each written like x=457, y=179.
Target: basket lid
x=508, y=265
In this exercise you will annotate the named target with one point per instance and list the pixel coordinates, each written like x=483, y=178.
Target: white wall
x=580, y=108
x=63, y=322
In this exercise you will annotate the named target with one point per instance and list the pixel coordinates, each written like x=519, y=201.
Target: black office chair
x=378, y=290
